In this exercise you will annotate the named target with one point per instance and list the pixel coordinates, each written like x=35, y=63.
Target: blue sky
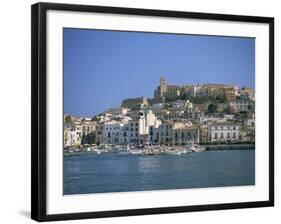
x=101, y=68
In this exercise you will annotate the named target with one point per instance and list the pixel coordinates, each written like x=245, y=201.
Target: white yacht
x=197, y=148
x=136, y=151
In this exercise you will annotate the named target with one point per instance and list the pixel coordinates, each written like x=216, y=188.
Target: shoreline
x=207, y=148
x=230, y=147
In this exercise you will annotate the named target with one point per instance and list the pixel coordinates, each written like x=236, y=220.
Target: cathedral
x=165, y=91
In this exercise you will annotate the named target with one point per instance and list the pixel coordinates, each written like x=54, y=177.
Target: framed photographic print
x=139, y=111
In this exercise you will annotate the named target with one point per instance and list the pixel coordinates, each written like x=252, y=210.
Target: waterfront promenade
x=157, y=150
x=229, y=146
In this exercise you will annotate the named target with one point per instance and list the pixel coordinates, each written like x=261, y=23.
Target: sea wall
x=229, y=146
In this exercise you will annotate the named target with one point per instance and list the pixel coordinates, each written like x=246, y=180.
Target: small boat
x=97, y=151
x=184, y=151
x=136, y=151
x=197, y=148
x=149, y=152
x=174, y=152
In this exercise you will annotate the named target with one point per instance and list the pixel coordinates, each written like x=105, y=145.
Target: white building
x=118, y=111
x=162, y=134
x=210, y=118
x=177, y=114
x=246, y=93
x=137, y=129
x=250, y=122
x=134, y=131
x=195, y=90
x=88, y=126
x=223, y=131
x=72, y=134
x=242, y=105
x=112, y=132
x=182, y=105
x=182, y=135
x=229, y=117
x=174, y=133
x=71, y=138
x=157, y=106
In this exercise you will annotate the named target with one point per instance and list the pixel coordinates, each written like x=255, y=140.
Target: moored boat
x=197, y=148
x=136, y=151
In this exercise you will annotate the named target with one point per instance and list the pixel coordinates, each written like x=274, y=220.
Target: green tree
x=212, y=108
x=221, y=99
x=229, y=110
x=250, y=107
x=88, y=139
x=68, y=119
x=84, y=139
x=244, y=115
x=95, y=118
x=184, y=96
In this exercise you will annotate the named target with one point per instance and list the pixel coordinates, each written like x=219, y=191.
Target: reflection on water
x=118, y=173
x=147, y=164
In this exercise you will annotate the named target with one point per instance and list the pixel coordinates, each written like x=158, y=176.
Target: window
x=216, y=135
x=228, y=135
x=234, y=134
x=221, y=135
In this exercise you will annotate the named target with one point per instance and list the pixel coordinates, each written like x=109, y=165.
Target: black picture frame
x=39, y=116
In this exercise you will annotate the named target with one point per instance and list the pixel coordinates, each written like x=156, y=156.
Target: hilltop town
x=199, y=113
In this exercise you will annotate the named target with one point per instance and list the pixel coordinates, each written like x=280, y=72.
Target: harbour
x=153, y=149
x=121, y=172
